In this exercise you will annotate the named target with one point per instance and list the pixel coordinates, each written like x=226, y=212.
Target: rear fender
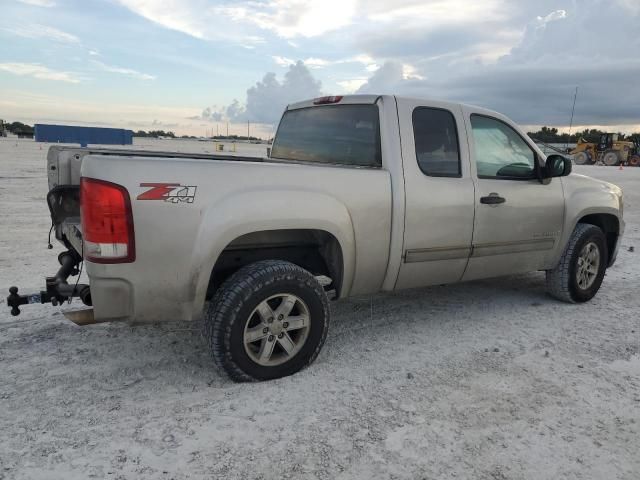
x=249, y=212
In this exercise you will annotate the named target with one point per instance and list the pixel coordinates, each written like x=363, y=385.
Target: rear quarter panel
x=177, y=244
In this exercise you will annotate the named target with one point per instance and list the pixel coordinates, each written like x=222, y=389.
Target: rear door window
x=334, y=134
x=436, y=139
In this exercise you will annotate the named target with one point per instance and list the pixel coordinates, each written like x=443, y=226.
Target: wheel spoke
x=266, y=350
x=286, y=343
x=285, y=306
x=297, y=322
x=264, y=311
x=254, y=334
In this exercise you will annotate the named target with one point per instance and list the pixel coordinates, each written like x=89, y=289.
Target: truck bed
x=63, y=163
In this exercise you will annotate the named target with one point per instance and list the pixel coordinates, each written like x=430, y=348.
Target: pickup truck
x=359, y=194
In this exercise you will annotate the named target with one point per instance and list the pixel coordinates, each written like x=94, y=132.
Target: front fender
x=588, y=196
x=259, y=210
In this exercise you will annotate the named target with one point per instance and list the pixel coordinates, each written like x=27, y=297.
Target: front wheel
x=582, y=158
x=268, y=320
x=580, y=271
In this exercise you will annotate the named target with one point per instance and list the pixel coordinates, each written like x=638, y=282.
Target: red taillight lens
x=327, y=100
x=107, y=222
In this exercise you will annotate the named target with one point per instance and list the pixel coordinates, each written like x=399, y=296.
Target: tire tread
x=231, y=296
x=558, y=279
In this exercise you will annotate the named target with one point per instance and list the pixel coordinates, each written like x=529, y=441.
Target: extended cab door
x=439, y=193
x=518, y=219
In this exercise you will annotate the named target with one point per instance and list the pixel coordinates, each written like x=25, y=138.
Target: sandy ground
x=486, y=380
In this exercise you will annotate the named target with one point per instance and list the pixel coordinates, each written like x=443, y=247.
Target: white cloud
x=39, y=71
x=38, y=31
x=310, y=62
x=39, y=3
x=94, y=53
x=552, y=17
x=286, y=18
x=283, y=61
x=409, y=72
x=352, y=85
x=432, y=13
x=293, y=18
x=183, y=16
x=267, y=99
x=124, y=71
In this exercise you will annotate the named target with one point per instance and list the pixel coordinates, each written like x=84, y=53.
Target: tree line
x=19, y=128
x=552, y=135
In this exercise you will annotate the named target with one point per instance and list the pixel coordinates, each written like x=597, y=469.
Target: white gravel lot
x=485, y=380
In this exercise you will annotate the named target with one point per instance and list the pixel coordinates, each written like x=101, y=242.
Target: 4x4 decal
x=168, y=192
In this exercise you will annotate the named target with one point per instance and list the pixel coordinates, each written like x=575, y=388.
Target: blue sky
x=193, y=64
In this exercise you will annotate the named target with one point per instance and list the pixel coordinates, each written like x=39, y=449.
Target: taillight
x=327, y=100
x=107, y=222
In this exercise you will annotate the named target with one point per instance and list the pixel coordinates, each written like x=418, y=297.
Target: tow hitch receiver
x=57, y=289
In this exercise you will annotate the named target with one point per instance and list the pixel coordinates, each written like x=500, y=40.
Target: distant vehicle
x=360, y=194
x=609, y=150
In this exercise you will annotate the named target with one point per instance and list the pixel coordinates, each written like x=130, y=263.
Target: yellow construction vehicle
x=609, y=150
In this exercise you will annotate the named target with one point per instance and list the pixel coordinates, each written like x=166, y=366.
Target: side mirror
x=557, y=166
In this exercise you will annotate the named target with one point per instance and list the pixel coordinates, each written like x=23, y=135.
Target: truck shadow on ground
x=116, y=357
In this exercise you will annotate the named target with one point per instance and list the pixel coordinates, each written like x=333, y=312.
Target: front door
x=518, y=220
x=439, y=194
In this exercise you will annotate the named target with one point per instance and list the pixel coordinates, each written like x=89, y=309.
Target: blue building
x=82, y=135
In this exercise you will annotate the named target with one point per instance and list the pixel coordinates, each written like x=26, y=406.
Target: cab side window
x=501, y=152
x=436, y=138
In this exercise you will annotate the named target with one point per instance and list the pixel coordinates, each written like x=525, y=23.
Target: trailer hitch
x=57, y=289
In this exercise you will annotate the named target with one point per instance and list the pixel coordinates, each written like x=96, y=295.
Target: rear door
x=518, y=220
x=439, y=193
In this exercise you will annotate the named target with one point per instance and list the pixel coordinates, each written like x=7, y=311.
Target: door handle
x=492, y=199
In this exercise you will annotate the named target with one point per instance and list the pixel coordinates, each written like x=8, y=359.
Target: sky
x=192, y=66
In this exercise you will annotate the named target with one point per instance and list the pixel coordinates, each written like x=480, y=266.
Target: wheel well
x=317, y=251
x=609, y=224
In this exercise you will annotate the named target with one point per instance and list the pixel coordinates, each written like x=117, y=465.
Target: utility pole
x=247, y=130
x=227, y=129
x=573, y=110
x=217, y=130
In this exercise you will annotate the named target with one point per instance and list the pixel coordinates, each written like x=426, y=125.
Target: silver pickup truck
x=360, y=194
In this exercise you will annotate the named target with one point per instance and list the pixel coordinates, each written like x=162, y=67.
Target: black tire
x=562, y=281
x=611, y=158
x=230, y=311
x=582, y=158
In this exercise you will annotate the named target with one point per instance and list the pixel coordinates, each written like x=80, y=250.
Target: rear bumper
x=131, y=293
x=112, y=299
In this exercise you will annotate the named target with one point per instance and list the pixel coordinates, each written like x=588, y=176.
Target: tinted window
x=500, y=150
x=436, y=139
x=343, y=134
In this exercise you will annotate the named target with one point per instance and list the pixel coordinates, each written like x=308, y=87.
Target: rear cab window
x=332, y=134
x=436, y=139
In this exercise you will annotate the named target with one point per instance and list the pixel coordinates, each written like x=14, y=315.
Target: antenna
x=573, y=110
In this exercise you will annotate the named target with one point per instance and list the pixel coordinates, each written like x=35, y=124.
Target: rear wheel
x=268, y=320
x=611, y=158
x=582, y=158
x=634, y=160
x=580, y=271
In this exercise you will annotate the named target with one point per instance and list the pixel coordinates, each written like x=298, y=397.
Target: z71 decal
x=168, y=192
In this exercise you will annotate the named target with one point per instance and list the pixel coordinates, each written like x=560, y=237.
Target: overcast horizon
x=191, y=65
